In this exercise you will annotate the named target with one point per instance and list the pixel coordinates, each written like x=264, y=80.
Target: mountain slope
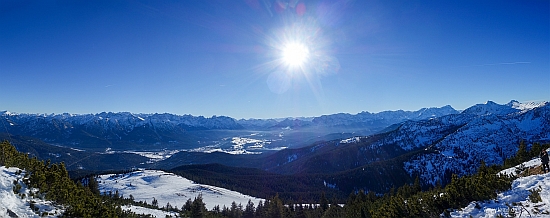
x=455, y=143
x=490, y=137
x=74, y=159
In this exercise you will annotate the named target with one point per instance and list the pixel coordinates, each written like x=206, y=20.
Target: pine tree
x=522, y=155
x=198, y=208
x=187, y=205
x=260, y=210
x=249, y=210
x=323, y=202
x=93, y=185
x=276, y=208
x=155, y=203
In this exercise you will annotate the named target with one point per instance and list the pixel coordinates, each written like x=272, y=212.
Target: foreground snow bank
x=144, y=185
x=13, y=205
x=516, y=199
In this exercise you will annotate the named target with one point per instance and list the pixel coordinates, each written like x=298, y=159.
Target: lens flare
x=300, y=54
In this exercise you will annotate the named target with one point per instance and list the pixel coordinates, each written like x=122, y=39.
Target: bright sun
x=295, y=54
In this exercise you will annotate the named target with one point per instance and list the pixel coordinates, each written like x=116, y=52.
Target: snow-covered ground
x=154, y=156
x=12, y=205
x=144, y=185
x=516, y=199
x=529, y=164
x=144, y=210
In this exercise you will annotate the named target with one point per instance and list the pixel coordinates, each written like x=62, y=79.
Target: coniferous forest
x=410, y=200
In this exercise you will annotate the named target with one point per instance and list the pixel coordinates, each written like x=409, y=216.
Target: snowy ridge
x=527, y=105
x=144, y=185
x=490, y=108
x=385, y=117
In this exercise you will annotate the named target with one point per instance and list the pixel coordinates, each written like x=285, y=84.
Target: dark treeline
x=256, y=182
x=379, y=177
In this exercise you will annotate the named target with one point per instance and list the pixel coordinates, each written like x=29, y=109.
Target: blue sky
x=224, y=57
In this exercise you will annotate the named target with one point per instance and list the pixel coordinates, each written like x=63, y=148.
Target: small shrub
x=535, y=195
x=17, y=188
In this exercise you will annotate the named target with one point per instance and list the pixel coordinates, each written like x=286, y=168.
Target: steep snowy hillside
x=21, y=204
x=144, y=185
x=487, y=132
x=517, y=199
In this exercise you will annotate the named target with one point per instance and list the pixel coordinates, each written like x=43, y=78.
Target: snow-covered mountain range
x=123, y=121
x=454, y=141
x=363, y=119
x=119, y=130
x=126, y=121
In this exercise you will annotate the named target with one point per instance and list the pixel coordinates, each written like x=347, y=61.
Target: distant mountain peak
x=490, y=108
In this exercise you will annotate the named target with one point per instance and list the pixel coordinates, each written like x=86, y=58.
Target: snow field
x=144, y=185
x=144, y=210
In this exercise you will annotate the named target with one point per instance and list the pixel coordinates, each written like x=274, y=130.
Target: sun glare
x=295, y=54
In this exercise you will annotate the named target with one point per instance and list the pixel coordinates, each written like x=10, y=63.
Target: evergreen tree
x=323, y=202
x=260, y=210
x=198, y=208
x=276, y=208
x=187, y=205
x=93, y=185
x=522, y=155
x=249, y=210
x=155, y=202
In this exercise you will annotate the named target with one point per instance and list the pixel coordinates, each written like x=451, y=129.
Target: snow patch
x=21, y=206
